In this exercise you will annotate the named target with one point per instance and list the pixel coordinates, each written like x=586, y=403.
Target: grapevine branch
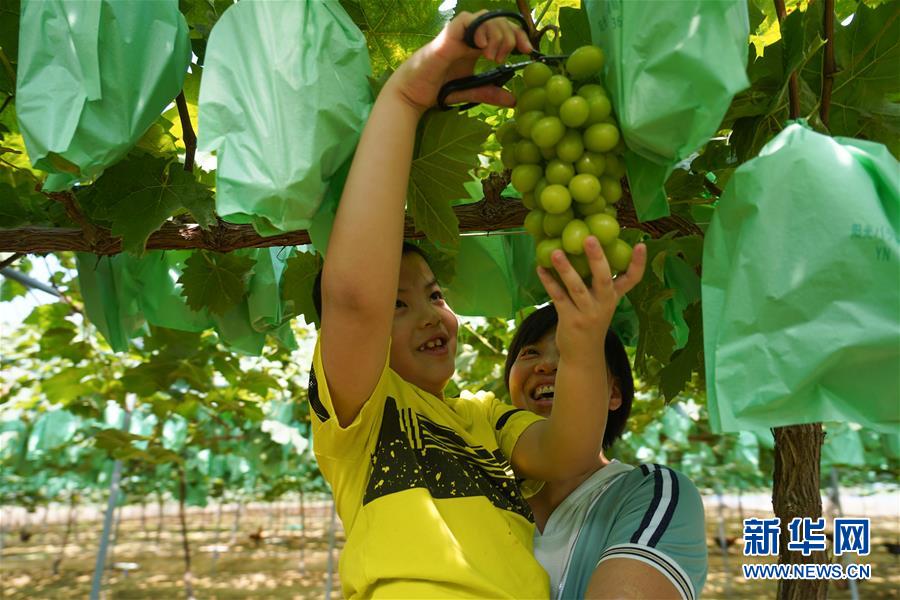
x=493, y=214
x=525, y=11
x=828, y=66
x=187, y=132
x=67, y=199
x=10, y=260
x=793, y=86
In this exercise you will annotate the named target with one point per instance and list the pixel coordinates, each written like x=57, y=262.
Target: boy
x=426, y=486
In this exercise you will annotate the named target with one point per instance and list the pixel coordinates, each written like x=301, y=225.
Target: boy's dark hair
x=317, y=284
x=538, y=323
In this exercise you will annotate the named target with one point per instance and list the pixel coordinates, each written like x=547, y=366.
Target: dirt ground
x=284, y=561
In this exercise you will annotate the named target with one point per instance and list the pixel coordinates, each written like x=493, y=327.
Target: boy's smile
x=423, y=334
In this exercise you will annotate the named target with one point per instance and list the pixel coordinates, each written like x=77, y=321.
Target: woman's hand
x=585, y=313
x=447, y=57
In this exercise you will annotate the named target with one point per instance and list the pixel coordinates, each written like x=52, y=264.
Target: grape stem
x=533, y=35
x=828, y=66
x=793, y=86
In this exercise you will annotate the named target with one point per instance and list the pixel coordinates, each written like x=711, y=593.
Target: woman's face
x=532, y=378
x=423, y=335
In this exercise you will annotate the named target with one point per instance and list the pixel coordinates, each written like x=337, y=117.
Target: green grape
x=525, y=177
x=526, y=121
x=615, y=167
x=611, y=211
x=559, y=172
x=534, y=223
x=536, y=74
x=528, y=200
x=581, y=265
x=584, y=188
x=595, y=207
x=548, y=153
x=612, y=189
x=554, y=224
x=584, y=62
x=603, y=227
x=532, y=99
x=544, y=251
x=527, y=152
x=539, y=189
x=599, y=109
x=555, y=199
x=559, y=89
x=551, y=110
x=591, y=163
x=590, y=90
x=574, y=111
x=573, y=236
x=618, y=255
x=508, y=157
x=601, y=137
x=570, y=147
x=547, y=131
x=507, y=134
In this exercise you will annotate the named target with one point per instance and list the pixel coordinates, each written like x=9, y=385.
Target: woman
x=614, y=531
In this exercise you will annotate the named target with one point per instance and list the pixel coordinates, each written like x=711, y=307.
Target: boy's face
x=532, y=378
x=423, y=336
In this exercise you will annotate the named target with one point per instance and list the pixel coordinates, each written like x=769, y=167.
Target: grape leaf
x=215, y=281
x=297, y=285
x=575, y=27
x=9, y=45
x=864, y=101
x=67, y=384
x=655, y=337
x=394, y=29
x=140, y=192
x=448, y=148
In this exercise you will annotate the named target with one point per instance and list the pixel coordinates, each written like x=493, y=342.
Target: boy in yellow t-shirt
x=427, y=486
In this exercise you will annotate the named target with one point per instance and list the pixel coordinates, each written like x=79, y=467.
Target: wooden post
x=182, y=494
x=97, y=580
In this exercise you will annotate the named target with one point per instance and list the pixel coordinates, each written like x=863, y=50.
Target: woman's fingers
x=556, y=292
x=600, y=271
x=630, y=278
x=575, y=286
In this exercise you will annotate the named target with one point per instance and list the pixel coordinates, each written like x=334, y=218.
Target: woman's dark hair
x=317, y=284
x=543, y=320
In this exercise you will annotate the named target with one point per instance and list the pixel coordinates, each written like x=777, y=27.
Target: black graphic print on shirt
x=414, y=452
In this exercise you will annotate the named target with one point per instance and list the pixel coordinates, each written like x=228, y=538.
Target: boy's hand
x=447, y=57
x=585, y=314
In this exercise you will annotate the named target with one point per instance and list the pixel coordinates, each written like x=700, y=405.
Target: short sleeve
x=662, y=524
x=329, y=438
x=509, y=423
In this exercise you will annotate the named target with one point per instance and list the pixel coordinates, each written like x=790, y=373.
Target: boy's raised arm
x=359, y=281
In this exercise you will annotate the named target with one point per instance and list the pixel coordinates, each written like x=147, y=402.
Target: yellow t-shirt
x=427, y=496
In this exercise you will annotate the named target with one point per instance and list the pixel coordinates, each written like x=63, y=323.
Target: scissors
x=498, y=76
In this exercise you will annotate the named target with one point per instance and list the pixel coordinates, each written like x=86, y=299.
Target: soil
x=285, y=561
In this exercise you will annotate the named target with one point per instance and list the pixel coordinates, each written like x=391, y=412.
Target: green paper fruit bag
x=672, y=71
x=92, y=77
x=801, y=287
x=283, y=99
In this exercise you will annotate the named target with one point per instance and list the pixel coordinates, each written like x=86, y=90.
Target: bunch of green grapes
x=564, y=149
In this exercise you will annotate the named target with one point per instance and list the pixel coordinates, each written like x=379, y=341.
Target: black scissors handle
x=498, y=76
